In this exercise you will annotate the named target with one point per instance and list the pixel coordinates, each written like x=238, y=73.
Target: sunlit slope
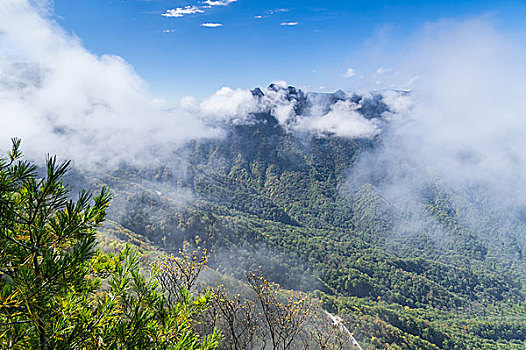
x=286, y=203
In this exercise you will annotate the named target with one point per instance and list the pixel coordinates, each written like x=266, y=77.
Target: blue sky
x=177, y=56
x=81, y=65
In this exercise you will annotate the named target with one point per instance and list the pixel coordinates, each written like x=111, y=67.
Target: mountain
x=284, y=191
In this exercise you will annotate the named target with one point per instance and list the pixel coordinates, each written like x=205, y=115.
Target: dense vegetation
x=446, y=272
x=57, y=291
x=264, y=198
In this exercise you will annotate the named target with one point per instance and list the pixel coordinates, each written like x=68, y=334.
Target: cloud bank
x=293, y=109
x=462, y=131
x=464, y=121
x=59, y=98
x=469, y=115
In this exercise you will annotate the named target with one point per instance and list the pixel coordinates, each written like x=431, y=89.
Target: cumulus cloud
x=182, y=11
x=289, y=24
x=321, y=117
x=61, y=99
x=342, y=120
x=229, y=104
x=349, y=73
x=211, y=25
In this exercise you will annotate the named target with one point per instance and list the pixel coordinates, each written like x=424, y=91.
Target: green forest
x=261, y=235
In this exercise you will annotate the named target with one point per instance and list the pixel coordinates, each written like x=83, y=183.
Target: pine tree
x=57, y=291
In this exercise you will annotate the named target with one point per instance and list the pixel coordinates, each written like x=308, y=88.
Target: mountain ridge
x=267, y=196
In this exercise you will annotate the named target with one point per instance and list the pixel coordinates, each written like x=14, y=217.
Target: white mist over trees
x=400, y=209
x=465, y=122
x=465, y=117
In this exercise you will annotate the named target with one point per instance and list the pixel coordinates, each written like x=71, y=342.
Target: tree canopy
x=58, y=291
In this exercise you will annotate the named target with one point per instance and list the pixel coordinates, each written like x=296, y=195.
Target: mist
x=462, y=124
x=461, y=129
x=61, y=99
x=97, y=111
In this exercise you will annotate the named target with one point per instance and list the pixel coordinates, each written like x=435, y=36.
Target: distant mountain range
x=284, y=191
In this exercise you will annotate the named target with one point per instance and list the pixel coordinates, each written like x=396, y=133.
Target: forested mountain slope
x=443, y=271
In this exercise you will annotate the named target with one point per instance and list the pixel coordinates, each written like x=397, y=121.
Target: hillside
x=442, y=271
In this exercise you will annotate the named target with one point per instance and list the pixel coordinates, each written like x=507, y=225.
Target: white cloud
x=218, y=2
x=189, y=103
x=470, y=90
x=272, y=12
x=190, y=10
x=61, y=99
x=211, y=25
x=349, y=73
x=463, y=124
x=182, y=11
x=229, y=104
x=342, y=120
x=288, y=24
x=235, y=106
x=281, y=83
x=169, y=30
x=278, y=10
